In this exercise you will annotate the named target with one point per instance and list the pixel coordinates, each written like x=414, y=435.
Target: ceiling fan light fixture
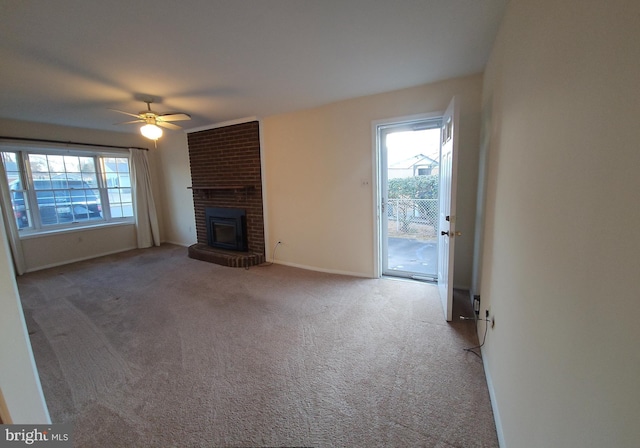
x=151, y=131
x=151, y=120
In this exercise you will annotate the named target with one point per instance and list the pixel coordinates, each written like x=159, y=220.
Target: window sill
x=28, y=234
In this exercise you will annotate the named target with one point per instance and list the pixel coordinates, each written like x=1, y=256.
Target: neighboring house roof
x=418, y=159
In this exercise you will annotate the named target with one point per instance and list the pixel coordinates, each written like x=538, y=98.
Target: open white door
x=447, y=221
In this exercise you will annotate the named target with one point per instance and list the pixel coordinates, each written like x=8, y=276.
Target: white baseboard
x=494, y=403
x=327, y=271
x=75, y=260
x=177, y=243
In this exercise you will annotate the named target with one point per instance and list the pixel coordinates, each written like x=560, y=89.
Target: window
x=118, y=186
x=64, y=189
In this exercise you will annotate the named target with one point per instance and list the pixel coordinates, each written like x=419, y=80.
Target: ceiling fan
x=153, y=120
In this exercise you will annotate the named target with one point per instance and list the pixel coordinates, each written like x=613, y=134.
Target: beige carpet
x=151, y=348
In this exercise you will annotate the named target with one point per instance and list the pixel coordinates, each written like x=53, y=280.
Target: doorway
x=409, y=177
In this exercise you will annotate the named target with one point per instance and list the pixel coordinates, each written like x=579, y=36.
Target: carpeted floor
x=151, y=348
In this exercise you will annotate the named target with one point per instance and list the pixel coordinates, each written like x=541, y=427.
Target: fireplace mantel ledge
x=223, y=187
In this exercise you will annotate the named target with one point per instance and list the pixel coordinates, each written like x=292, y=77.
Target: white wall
x=21, y=398
x=174, y=176
x=560, y=265
x=316, y=159
x=45, y=251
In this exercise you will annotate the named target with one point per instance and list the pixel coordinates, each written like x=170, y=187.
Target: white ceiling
x=67, y=61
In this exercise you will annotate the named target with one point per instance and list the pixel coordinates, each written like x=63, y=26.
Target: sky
x=403, y=145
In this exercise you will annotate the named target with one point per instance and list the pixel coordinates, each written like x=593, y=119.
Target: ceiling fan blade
x=167, y=125
x=174, y=117
x=129, y=122
x=126, y=113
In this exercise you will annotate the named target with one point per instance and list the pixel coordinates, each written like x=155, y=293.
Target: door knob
x=458, y=233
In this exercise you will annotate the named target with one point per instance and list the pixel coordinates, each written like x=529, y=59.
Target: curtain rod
x=97, y=145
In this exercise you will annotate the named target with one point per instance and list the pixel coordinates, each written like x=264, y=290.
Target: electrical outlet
x=489, y=319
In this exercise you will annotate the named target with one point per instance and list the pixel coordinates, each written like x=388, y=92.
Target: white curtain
x=148, y=232
x=10, y=223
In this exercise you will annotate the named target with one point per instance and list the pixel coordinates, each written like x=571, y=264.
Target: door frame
x=376, y=176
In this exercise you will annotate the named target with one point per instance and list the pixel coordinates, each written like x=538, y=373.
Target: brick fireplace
x=226, y=173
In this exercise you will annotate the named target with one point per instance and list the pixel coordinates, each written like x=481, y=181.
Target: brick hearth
x=225, y=172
